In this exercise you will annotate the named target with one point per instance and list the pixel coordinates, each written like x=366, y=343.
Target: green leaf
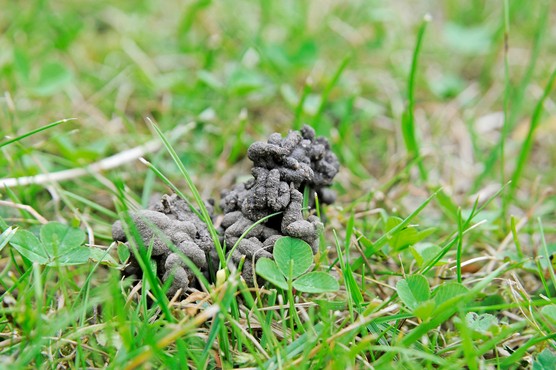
x=292, y=251
x=550, y=312
x=351, y=284
x=485, y=323
x=392, y=222
x=413, y=290
x=59, y=239
x=406, y=236
x=316, y=282
x=267, y=269
x=545, y=361
x=448, y=291
x=60, y=245
x=65, y=246
x=76, y=256
x=29, y=246
x=100, y=255
x=425, y=310
x=123, y=252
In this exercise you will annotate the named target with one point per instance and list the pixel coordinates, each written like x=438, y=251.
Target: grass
x=430, y=127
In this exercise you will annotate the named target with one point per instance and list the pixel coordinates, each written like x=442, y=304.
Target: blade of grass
x=139, y=250
x=519, y=353
x=507, y=90
x=219, y=328
x=517, y=243
x=517, y=98
x=36, y=131
x=85, y=290
x=246, y=232
x=161, y=176
x=540, y=273
x=148, y=183
x=297, y=122
x=465, y=228
x=438, y=361
x=295, y=348
x=204, y=212
x=268, y=339
x=528, y=142
x=448, y=206
x=97, y=207
x=459, y=249
x=33, y=348
x=355, y=298
x=408, y=119
x=326, y=93
x=186, y=327
x=384, y=238
x=546, y=253
x=490, y=343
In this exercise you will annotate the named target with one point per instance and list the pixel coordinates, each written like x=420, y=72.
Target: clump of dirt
x=283, y=168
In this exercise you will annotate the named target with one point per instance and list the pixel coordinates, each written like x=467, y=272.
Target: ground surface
x=464, y=281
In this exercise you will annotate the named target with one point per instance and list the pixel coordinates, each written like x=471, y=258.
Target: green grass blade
x=528, y=143
x=517, y=98
x=297, y=122
x=246, y=232
x=448, y=206
x=354, y=295
x=161, y=176
x=328, y=89
x=384, y=238
x=295, y=348
x=204, y=212
x=517, y=243
x=97, y=207
x=459, y=250
x=523, y=348
x=465, y=227
x=546, y=253
x=507, y=89
x=408, y=119
x=36, y=131
x=139, y=250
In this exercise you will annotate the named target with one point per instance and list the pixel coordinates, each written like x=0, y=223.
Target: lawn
x=442, y=115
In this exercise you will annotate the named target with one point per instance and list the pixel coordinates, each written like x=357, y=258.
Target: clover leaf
x=59, y=245
x=292, y=259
